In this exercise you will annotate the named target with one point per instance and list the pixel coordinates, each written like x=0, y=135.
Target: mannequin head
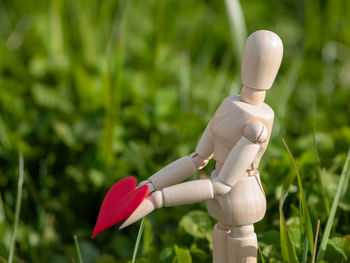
x=261, y=60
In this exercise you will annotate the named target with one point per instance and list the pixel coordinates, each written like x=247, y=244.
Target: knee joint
x=243, y=231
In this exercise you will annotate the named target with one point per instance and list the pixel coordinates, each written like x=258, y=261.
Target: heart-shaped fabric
x=119, y=203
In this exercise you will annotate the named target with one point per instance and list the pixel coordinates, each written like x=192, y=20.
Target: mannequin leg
x=242, y=245
x=220, y=235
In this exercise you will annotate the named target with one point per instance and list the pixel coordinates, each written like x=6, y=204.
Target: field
x=94, y=91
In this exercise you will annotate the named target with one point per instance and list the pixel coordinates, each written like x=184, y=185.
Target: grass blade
x=78, y=249
x=304, y=210
x=318, y=162
x=316, y=236
x=113, y=78
x=306, y=246
x=56, y=29
x=238, y=27
x=261, y=255
x=341, y=188
x=18, y=207
x=2, y=260
x=138, y=240
x=287, y=248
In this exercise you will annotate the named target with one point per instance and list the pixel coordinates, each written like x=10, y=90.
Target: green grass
x=94, y=91
x=305, y=220
x=319, y=170
x=18, y=207
x=287, y=248
x=138, y=240
x=2, y=260
x=76, y=242
x=330, y=221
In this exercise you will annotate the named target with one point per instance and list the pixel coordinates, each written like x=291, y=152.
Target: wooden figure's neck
x=252, y=96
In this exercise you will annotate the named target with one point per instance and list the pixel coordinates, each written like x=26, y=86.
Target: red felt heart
x=119, y=203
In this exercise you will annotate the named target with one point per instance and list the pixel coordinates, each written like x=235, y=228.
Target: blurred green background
x=95, y=91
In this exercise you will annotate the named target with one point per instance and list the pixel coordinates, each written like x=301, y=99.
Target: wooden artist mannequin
x=236, y=137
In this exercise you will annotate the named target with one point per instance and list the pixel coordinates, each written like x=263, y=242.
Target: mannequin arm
x=184, y=167
x=180, y=194
x=237, y=162
x=243, y=153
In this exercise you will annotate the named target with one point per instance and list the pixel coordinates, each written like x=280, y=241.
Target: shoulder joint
x=256, y=132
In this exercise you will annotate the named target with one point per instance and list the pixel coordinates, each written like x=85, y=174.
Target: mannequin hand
x=151, y=188
x=154, y=201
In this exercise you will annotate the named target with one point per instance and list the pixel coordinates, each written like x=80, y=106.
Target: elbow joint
x=198, y=160
x=220, y=188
